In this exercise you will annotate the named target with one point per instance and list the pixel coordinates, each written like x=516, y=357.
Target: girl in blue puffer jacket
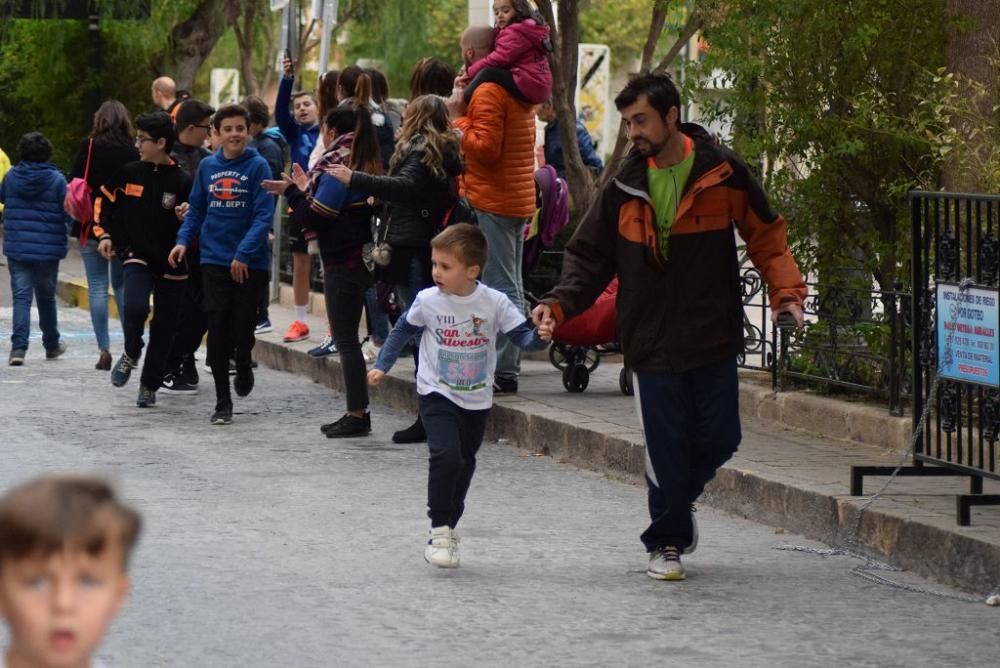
x=34, y=241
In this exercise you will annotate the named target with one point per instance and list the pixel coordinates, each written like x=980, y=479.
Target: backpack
x=551, y=218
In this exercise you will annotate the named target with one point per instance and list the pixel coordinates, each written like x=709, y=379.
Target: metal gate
x=955, y=277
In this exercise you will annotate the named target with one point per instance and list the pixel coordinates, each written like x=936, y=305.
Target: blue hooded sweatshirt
x=35, y=224
x=230, y=211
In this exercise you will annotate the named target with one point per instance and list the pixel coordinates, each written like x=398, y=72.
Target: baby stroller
x=579, y=344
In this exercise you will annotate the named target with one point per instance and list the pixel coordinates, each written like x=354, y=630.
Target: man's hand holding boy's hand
x=375, y=377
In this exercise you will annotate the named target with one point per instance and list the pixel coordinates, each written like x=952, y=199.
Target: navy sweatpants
x=691, y=421
x=454, y=435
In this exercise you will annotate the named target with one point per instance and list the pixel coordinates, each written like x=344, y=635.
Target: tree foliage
x=403, y=31
x=839, y=108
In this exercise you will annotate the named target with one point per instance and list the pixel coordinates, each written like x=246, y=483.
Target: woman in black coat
x=420, y=190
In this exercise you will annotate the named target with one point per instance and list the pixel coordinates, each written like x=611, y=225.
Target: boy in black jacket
x=140, y=211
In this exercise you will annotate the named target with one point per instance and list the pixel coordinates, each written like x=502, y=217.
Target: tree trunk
x=970, y=53
x=564, y=62
x=242, y=16
x=190, y=43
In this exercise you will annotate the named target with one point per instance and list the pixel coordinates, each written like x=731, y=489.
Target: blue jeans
x=691, y=421
x=97, y=290
x=505, y=237
x=36, y=279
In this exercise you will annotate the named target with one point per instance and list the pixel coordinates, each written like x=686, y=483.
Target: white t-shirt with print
x=458, y=351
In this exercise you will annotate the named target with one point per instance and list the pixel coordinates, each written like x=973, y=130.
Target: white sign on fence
x=225, y=86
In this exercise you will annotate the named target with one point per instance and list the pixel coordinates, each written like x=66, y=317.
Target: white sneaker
x=370, y=351
x=665, y=564
x=442, y=548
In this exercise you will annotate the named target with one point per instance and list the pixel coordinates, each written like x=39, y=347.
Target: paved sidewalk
x=784, y=477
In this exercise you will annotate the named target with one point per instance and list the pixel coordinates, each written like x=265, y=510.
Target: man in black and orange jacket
x=664, y=225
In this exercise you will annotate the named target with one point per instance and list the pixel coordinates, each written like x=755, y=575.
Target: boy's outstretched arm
x=400, y=335
x=525, y=337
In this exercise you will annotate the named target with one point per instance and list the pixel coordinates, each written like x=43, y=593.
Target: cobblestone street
x=268, y=545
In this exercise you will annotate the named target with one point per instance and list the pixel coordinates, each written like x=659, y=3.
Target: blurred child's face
x=233, y=135
x=503, y=13
x=452, y=275
x=59, y=607
x=305, y=111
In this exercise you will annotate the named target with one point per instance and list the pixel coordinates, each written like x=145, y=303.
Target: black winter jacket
x=136, y=211
x=418, y=200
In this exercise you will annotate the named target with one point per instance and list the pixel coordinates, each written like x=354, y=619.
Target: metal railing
x=855, y=338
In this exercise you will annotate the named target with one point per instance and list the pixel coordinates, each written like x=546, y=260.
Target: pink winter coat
x=520, y=48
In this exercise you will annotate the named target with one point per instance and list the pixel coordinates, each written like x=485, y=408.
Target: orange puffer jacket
x=498, y=139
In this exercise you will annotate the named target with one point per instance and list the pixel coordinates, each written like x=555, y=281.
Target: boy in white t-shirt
x=458, y=320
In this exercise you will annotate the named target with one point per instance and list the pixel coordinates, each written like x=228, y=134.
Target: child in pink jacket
x=519, y=61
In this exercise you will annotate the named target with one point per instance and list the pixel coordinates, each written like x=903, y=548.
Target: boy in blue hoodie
x=231, y=212
x=34, y=241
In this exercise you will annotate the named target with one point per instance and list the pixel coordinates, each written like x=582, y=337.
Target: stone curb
x=931, y=550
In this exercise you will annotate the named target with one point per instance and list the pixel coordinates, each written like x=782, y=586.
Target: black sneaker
x=176, y=384
x=327, y=347
x=223, y=413
x=16, y=357
x=243, y=383
x=55, y=352
x=189, y=370
x=504, y=385
x=349, y=426
x=415, y=433
x=146, y=397
x=122, y=370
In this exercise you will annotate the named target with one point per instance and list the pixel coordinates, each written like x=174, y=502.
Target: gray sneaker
x=55, y=352
x=146, y=397
x=665, y=564
x=17, y=357
x=122, y=370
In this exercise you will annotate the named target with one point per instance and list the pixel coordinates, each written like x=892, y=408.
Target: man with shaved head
x=498, y=140
x=165, y=96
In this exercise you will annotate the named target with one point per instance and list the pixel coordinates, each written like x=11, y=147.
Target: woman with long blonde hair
x=420, y=189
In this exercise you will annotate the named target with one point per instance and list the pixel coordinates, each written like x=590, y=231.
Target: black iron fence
x=856, y=338
x=955, y=341
x=956, y=253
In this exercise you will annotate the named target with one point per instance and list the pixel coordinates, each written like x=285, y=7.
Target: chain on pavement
x=871, y=568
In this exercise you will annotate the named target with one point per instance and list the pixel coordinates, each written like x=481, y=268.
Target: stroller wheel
x=625, y=382
x=576, y=378
x=559, y=357
x=592, y=358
